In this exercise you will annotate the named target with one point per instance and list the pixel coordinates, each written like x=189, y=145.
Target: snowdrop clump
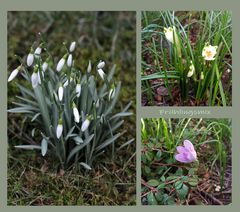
x=75, y=115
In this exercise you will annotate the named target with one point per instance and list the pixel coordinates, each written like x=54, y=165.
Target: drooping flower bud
x=59, y=129
x=30, y=59
x=202, y=76
x=61, y=63
x=69, y=60
x=85, y=125
x=76, y=113
x=38, y=51
x=72, y=46
x=89, y=67
x=101, y=64
x=101, y=73
x=78, y=89
x=34, y=78
x=60, y=92
x=44, y=66
x=14, y=74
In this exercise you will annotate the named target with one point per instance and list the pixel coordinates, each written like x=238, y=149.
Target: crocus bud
x=191, y=70
x=61, y=63
x=60, y=92
x=101, y=73
x=34, y=79
x=14, y=74
x=69, y=60
x=85, y=125
x=72, y=46
x=76, y=113
x=38, y=51
x=59, y=129
x=101, y=64
x=78, y=89
x=44, y=66
x=30, y=59
x=89, y=67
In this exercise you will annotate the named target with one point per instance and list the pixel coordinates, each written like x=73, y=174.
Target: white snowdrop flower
x=85, y=125
x=72, y=46
x=34, y=79
x=101, y=64
x=228, y=70
x=209, y=52
x=69, y=60
x=13, y=74
x=78, y=89
x=201, y=76
x=111, y=93
x=59, y=129
x=76, y=113
x=60, y=93
x=101, y=73
x=169, y=34
x=191, y=70
x=60, y=64
x=30, y=59
x=89, y=67
x=44, y=66
x=38, y=51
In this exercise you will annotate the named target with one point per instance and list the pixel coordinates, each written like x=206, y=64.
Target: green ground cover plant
x=186, y=161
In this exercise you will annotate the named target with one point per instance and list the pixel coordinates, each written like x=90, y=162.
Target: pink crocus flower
x=186, y=153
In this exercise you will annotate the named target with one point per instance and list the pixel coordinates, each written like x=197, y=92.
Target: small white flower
x=44, y=66
x=78, y=89
x=76, y=114
x=89, y=67
x=201, y=76
x=72, y=46
x=101, y=64
x=60, y=64
x=34, y=79
x=30, y=59
x=169, y=34
x=101, y=73
x=228, y=70
x=191, y=70
x=69, y=60
x=59, y=130
x=111, y=93
x=60, y=93
x=65, y=84
x=13, y=74
x=85, y=125
x=38, y=51
x=209, y=52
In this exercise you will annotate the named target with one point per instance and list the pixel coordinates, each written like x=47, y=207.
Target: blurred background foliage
x=108, y=36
